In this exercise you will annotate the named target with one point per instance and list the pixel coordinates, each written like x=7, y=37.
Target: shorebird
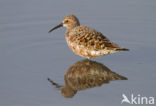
x=85, y=41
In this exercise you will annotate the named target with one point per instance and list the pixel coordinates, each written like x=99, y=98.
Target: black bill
x=58, y=26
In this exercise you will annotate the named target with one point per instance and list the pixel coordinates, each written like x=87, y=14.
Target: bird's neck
x=67, y=33
x=71, y=27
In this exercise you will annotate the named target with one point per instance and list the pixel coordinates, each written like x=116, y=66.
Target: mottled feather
x=85, y=41
x=90, y=39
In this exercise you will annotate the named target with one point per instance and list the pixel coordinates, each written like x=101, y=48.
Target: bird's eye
x=66, y=21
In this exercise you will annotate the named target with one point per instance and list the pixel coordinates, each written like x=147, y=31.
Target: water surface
x=29, y=54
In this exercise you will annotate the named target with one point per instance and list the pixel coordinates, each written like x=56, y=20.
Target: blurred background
x=29, y=54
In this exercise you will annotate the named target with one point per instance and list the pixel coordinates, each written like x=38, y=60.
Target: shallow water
x=29, y=54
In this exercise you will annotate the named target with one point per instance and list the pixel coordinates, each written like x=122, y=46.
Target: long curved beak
x=58, y=26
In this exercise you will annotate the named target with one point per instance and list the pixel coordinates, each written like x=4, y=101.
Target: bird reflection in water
x=85, y=74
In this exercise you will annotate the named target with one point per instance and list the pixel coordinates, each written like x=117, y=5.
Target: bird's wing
x=91, y=39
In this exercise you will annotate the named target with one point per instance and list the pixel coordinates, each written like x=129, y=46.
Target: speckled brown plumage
x=85, y=41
